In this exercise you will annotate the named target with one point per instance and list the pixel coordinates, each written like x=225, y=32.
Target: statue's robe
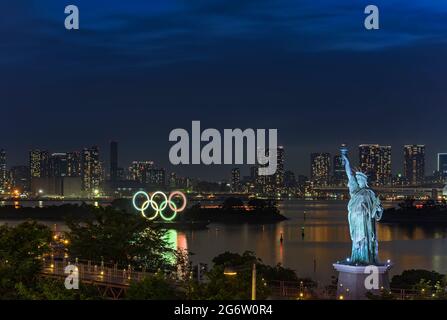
x=364, y=210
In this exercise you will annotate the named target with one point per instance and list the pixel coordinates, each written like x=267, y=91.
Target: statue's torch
x=344, y=152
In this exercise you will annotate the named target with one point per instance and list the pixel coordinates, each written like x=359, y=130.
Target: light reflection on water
x=315, y=236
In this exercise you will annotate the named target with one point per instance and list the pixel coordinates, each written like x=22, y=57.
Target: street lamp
x=229, y=271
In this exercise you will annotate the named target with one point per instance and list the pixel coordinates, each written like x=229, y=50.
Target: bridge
x=110, y=281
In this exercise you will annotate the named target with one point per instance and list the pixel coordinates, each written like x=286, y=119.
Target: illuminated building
x=64, y=164
x=34, y=163
x=20, y=178
x=3, y=180
x=38, y=163
x=156, y=177
x=320, y=168
x=339, y=175
x=253, y=173
x=73, y=164
x=102, y=172
x=139, y=170
x=279, y=175
x=260, y=181
x=414, y=164
x=375, y=162
x=57, y=165
x=289, y=180
x=184, y=182
x=121, y=174
x=173, y=180
x=442, y=166
x=178, y=182
x=90, y=169
x=235, y=185
x=146, y=173
x=272, y=184
x=369, y=155
x=113, y=161
x=384, y=175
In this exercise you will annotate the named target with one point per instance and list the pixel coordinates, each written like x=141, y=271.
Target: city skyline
x=112, y=166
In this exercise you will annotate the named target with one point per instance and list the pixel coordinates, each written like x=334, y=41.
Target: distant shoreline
x=413, y=215
x=193, y=216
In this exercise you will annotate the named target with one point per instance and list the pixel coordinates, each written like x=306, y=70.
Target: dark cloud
x=137, y=69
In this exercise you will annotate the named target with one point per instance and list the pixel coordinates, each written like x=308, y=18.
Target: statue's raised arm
x=345, y=159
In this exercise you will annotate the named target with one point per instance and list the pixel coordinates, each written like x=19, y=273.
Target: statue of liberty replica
x=356, y=274
x=364, y=209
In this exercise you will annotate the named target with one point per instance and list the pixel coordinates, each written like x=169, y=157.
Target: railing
x=291, y=290
x=93, y=272
x=299, y=290
x=404, y=294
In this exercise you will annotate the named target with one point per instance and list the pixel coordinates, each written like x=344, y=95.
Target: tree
x=20, y=250
x=279, y=273
x=152, y=288
x=232, y=203
x=411, y=278
x=427, y=290
x=54, y=289
x=121, y=238
x=221, y=286
x=234, y=259
x=233, y=287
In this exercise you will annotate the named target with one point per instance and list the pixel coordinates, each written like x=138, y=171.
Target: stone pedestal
x=351, y=281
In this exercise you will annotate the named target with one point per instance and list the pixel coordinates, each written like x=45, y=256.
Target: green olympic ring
x=167, y=201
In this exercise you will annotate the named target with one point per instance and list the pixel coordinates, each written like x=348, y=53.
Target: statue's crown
x=359, y=173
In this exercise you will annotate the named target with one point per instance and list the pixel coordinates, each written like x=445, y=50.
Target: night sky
x=138, y=69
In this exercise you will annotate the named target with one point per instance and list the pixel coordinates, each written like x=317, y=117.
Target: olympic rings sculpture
x=159, y=208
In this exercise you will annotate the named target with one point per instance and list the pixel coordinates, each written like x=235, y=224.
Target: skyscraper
x=173, y=180
x=156, y=177
x=289, y=179
x=369, y=159
x=58, y=165
x=414, y=164
x=139, y=170
x=271, y=184
x=442, y=166
x=384, y=174
x=320, y=168
x=375, y=162
x=73, y=164
x=3, y=179
x=253, y=173
x=38, y=163
x=20, y=178
x=113, y=161
x=339, y=176
x=279, y=175
x=90, y=169
x=235, y=185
